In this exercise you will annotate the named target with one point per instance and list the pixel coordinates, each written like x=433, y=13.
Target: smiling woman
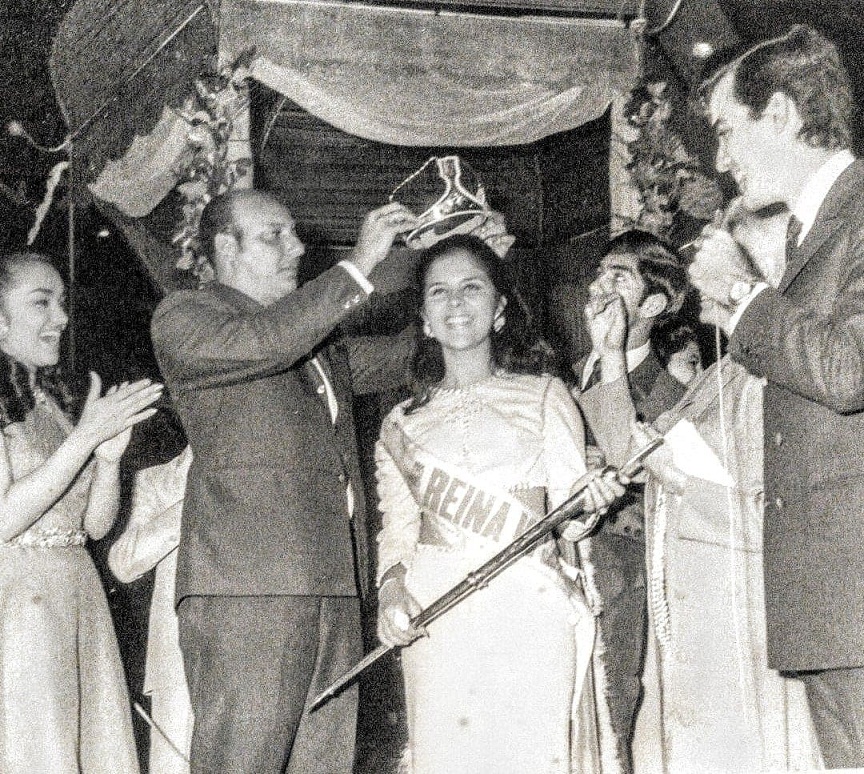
x=34, y=317
x=487, y=443
x=66, y=709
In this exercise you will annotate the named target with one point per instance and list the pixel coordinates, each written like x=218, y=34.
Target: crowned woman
x=487, y=442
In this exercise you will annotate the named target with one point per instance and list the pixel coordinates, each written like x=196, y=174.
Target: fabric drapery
x=392, y=75
x=418, y=78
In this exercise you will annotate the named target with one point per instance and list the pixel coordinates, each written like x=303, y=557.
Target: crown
x=449, y=197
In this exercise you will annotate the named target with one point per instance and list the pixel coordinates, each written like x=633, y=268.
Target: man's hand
x=602, y=490
x=607, y=323
x=606, y=318
x=493, y=231
x=380, y=227
x=659, y=463
x=718, y=264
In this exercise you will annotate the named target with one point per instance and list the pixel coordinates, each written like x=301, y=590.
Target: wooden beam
x=578, y=9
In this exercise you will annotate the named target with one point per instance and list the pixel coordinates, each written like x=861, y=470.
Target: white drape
x=418, y=78
x=402, y=77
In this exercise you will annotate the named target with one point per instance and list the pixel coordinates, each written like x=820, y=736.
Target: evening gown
x=500, y=684
x=64, y=707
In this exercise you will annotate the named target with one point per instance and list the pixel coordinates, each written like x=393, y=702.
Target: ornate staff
x=522, y=545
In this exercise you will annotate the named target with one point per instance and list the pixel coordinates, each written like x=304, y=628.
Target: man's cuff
x=352, y=269
x=745, y=302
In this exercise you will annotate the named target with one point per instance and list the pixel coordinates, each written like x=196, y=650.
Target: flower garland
x=205, y=170
x=669, y=179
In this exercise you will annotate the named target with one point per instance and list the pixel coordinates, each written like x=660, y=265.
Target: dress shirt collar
x=632, y=357
x=806, y=207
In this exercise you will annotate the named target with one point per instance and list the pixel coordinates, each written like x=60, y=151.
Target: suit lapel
x=801, y=255
x=826, y=223
x=643, y=377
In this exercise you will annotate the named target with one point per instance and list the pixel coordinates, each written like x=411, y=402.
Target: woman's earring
x=427, y=330
x=498, y=323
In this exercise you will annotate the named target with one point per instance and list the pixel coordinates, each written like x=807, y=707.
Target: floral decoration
x=669, y=179
x=205, y=170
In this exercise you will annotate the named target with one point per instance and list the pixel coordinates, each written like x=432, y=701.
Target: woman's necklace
x=465, y=406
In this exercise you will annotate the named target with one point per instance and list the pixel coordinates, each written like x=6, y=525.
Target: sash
x=457, y=506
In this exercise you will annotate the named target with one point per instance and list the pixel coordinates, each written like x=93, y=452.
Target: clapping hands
x=107, y=420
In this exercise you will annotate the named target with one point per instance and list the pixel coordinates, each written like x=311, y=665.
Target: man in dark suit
x=642, y=271
x=273, y=543
x=781, y=113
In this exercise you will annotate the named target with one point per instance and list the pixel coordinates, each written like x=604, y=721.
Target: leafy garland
x=669, y=179
x=205, y=171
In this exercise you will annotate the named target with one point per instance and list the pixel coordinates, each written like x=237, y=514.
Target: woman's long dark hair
x=16, y=394
x=517, y=347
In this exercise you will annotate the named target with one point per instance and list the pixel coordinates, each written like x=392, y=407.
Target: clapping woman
x=63, y=702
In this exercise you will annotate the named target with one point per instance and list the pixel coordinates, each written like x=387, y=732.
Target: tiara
x=451, y=196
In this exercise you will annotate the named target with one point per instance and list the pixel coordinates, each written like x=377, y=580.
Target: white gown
x=499, y=686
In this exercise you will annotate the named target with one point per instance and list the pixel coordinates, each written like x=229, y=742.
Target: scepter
x=523, y=544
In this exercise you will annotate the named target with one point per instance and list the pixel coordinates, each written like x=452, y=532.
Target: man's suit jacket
x=653, y=389
x=265, y=511
x=807, y=339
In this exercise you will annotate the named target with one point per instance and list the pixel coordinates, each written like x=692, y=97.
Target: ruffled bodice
x=518, y=433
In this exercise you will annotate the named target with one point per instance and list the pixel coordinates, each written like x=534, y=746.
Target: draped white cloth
x=418, y=78
x=404, y=77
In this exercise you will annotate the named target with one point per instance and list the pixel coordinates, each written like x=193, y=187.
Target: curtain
x=409, y=77
x=396, y=76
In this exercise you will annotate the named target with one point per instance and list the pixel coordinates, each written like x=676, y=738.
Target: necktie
x=594, y=376
x=322, y=377
x=793, y=231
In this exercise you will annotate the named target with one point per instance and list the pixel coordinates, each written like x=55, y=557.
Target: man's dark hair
x=672, y=337
x=517, y=347
x=658, y=265
x=805, y=66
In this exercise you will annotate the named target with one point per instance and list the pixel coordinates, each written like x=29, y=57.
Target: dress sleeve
x=397, y=540
x=153, y=531
x=563, y=442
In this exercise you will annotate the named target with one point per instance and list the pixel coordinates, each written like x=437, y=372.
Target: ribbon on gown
x=458, y=506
